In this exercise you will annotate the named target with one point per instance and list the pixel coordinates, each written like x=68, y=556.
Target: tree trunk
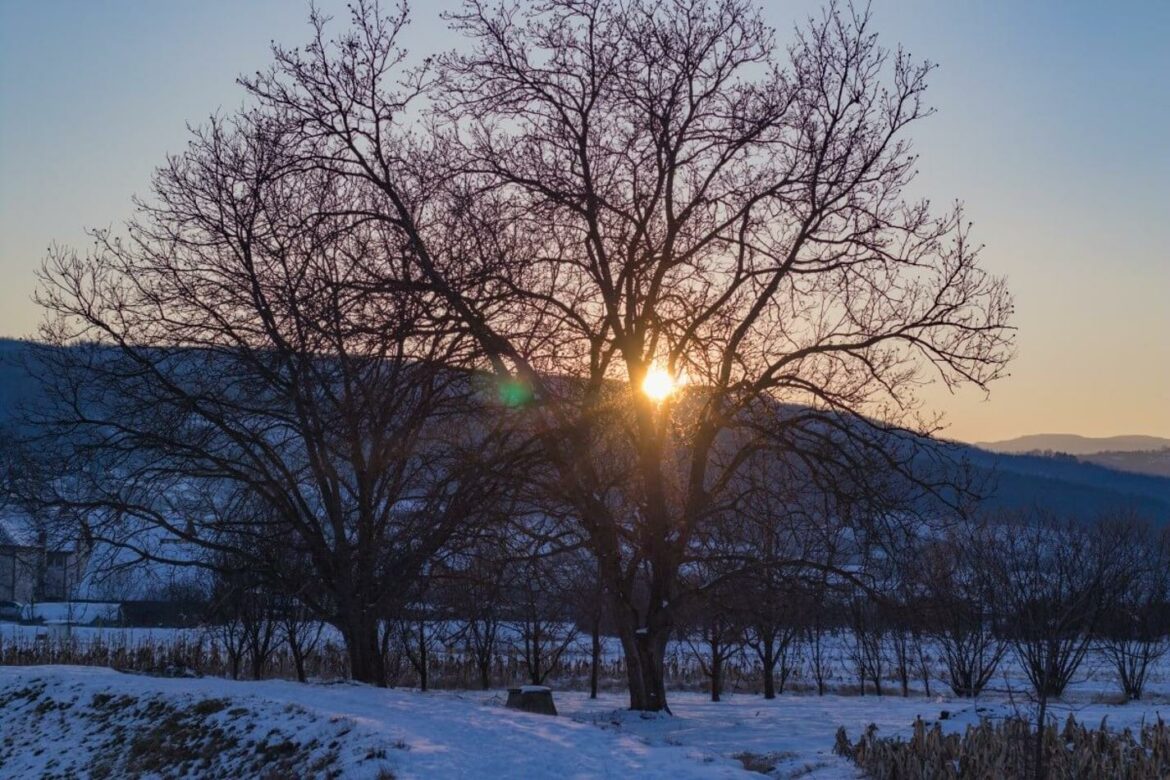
x=923, y=666
x=535, y=660
x=366, y=663
x=716, y=673
x=423, y=661
x=785, y=661
x=1038, y=745
x=645, y=651
x=768, y=659
x=298, y=662
x=644, y=625
x=595, y=658
x=257, y=661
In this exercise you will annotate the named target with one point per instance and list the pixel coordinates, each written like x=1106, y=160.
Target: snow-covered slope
x=71, y=722
x=66, y=721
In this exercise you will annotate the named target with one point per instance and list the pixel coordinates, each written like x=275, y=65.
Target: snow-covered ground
x=84, y=636
x=66, y=721
x=71, y=612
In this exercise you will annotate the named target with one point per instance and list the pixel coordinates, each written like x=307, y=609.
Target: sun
x=658, y=384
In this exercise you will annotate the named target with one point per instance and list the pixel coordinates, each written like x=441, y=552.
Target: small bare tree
x=712, y=626
x=905, y=637
x=478, y=600
x=960, y=586
x=819, y=626
x=542, y=611
x=785, y=547
x=1056, y=581
x=591, y=611
x=773, y=633
x=301, y=631
x=1135, y=630
x=420, y=631
x=867, y=648
x=244, y=622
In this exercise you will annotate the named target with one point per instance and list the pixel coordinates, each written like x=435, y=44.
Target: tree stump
x=532, y=698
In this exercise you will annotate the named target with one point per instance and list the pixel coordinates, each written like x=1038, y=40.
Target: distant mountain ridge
x=1071, y=444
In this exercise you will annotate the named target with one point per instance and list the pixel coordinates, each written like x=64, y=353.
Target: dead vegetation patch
x=121, y=735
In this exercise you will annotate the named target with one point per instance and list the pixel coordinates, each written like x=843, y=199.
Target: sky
x=1053, y=127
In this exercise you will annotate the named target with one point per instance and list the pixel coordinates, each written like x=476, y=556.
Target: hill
x=15, y=383
x=1060, y=483
x=1068, y=485
x=1072, y=444
x=1156, y=462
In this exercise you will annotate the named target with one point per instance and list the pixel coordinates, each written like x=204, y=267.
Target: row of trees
x=395, y=308
x=521, y=611
x=1046, y=591
x=1039, y=591
x=969, y=600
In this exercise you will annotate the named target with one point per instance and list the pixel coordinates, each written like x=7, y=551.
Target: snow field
x=62, y=721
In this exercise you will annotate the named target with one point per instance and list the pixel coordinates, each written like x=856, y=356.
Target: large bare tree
x=597, y=193
x=691, y=200
x=231, y=384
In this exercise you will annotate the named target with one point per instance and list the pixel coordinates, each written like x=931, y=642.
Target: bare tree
x=228, y=618
x=591, y=611
x=905, y=642
x=774, y=621
x=960, y=583
x=228, y=630
x=867, y=652
x=1135, y=630
x=596, y=193
x=419, y=634
x=236, y=380
x=261, y=628
x=687, y=203
x=713, y=628
x=301, y=630
x=1056, y=580
x=246, y=618
x=788, y=536
x=542, y=610
x=478, y=600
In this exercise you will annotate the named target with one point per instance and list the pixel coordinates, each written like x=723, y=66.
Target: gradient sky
x=1053, y=127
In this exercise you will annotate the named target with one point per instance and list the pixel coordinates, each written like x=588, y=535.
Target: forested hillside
x=1064, y=484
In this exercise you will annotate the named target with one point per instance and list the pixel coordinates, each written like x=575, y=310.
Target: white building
x=35, y=565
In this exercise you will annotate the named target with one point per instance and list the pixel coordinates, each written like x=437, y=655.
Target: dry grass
x=762, y=763
x=1006, y=749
